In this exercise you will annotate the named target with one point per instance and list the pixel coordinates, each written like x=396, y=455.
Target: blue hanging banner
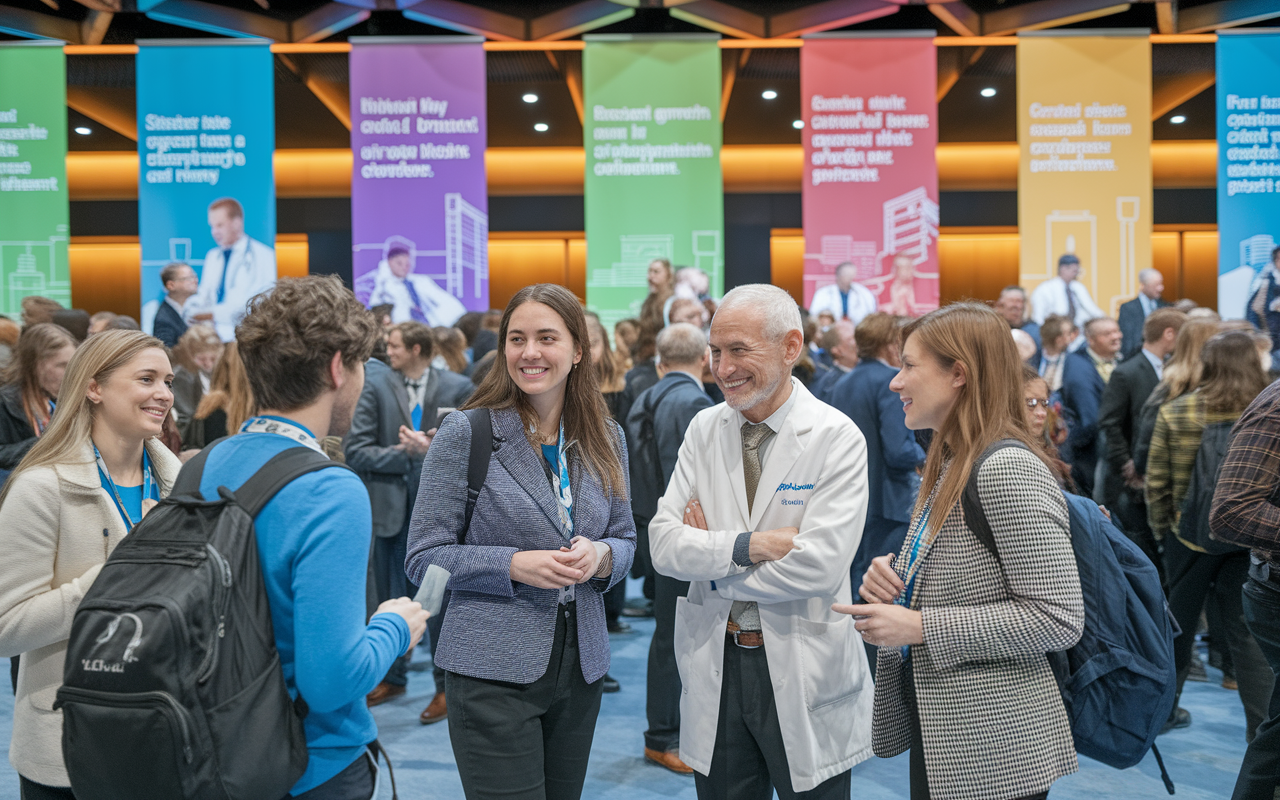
x=1248, y=98
x=206, y=186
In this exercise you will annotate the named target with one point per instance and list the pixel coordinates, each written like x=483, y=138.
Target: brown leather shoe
x=382, y=693
x=669, y=760
x=435, y=711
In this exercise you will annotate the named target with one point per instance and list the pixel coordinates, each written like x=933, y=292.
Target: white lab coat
x=440, y=307
x=827, y=298
x=822, y=686
x=251, y=271
x=1050, y=297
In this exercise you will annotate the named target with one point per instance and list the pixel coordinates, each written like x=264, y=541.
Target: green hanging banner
x=34, y=211
x=653, y=186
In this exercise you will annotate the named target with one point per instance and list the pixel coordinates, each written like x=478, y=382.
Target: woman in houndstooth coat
x=962, y=678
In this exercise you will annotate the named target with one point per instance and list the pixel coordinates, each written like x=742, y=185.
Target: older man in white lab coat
x=234, y=271
x=763, y=515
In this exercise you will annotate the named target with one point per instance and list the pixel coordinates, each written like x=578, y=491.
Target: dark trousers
x=615, y=599
x=38, y=791
x=1195, y=578
x=356, y=782
x=642, y=564
x=879, y=537
x=916, y=764
x=749, y=761
x=662, y=683
x=1130, y=513
x=526, y=741
x=13, y=673
x=1260, y=772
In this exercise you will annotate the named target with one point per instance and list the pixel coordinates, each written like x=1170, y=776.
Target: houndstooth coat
x=991, y=716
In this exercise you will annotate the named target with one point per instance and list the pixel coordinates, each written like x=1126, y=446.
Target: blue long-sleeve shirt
x=313, y=545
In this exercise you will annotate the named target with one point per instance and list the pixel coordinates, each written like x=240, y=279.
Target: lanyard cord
x=148, y=486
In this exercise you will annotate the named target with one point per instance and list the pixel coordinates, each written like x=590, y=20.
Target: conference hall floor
x=1203, y=760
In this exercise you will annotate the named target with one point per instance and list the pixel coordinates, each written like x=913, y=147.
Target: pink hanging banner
x=869, y=104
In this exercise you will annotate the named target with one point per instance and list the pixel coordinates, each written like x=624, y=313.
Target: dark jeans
x=1196, y=577
x=38, y=791
x=749, y=761
x=356, y=782
x=1130, y=512
x=879, y=537
x=1260, y=772
x=526, y=741
x=662, y=682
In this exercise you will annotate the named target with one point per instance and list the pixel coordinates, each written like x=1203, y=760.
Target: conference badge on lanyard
x=150, y=493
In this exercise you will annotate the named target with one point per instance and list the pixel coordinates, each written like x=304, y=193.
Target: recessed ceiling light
x=530, y=98
x=541, y=127
x=1178, y=120
x=988, y=92
x=798, y=124
x=83, y=131
x=768, y=94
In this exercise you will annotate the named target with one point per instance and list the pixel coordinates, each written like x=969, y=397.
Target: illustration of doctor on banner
x=414, y=297
x=235, y=269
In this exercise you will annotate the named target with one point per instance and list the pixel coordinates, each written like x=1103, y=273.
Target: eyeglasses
x=1032, y=402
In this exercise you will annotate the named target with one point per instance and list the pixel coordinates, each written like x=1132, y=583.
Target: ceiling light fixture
x=798, y=124
x=768, y=94
x=530, y=98
x=1178, y=120
x=83, y=131
x=988, y=92
x=541, y=127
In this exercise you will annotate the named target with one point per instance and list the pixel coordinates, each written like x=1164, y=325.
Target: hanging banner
x=34, y=212
x=419, y=201
x=1248, y=96
x=653, y=185
x=870, y=191
x=1084, y=170
x=206, y=188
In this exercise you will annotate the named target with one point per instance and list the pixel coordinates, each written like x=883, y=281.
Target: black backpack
x=644, y=465
x=1193, y=525
x=172, y=685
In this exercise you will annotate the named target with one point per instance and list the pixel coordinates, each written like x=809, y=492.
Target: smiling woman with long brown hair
x=962, y=678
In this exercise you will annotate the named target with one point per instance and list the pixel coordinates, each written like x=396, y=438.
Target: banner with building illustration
x=653, y=186
x=206, y=186
x=1084, y=171
x=419, y=202
x=34, y=212
x=870, y=191
x=1248, y=98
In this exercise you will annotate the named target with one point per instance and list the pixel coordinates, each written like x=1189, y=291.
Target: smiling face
x=50, y=370
x=540, y=351
x=1011, y=306
x=133, y=401
x=1105, y=338
x=928, y=391
x=752, y=371
x=398, y=356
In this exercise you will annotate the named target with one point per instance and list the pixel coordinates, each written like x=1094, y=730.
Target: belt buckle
x=744, y=646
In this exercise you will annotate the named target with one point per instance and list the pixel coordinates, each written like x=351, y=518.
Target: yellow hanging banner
x=1084, y=171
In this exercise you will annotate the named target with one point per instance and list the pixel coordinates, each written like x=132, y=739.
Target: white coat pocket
x=830, y=656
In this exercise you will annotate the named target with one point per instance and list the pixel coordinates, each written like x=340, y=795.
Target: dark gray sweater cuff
x=742, y=550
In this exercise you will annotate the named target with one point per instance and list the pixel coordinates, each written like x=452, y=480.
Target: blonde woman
x=227, y=405
x=962, y=635
x=1181, y=376
x=83, y=486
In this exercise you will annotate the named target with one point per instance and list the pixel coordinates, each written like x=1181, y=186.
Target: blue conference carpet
x=1203, y=759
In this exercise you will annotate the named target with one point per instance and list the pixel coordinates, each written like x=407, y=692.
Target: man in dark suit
x=1135, y=312
x=667, y=408
x=838, y=342
x=395, y=418
x=1084, y=375
x=1012, y=305
x=1262, y=309
x=1131, y=384
x=180, y=283
x=892, y=452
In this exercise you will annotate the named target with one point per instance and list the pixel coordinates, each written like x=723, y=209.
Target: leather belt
x=747, y=640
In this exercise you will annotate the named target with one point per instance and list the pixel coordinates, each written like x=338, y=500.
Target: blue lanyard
x=560, y=482
x=915, y=555
x=41, y=424
x=149, y=490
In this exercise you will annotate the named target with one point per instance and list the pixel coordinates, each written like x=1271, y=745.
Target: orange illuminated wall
x=517, y=260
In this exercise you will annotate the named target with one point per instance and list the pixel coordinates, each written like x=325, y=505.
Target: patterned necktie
x=415, y=392
x=1071, y=304
x=226, y=267
x=745, y=614
x=416, y=310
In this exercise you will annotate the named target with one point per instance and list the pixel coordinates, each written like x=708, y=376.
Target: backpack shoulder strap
x=974, y=515
x=187, y=484
x=478, y=462
x=282, y=469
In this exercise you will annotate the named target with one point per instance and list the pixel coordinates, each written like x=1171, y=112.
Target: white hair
x=681, y=344
x=1148, y=275
x=780, y=311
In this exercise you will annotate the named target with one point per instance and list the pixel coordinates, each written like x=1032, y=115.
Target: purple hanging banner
x=419, y=202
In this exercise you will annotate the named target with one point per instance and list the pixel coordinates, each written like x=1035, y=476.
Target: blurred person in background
x=450, y=349
x=838, y=340
x=1231, y=379
x=31, y=384
x=1013, y=306
x=625, y=332
x=9, y=333
x=684, y=309
x=1135, y=312
x=36, y=309
x=1025, y=344
x=100, y=321
x=1035, y=391
x=1084, y=376
x=228, y=403
x=180, y=284
x=1056, y=335
x=194, y=358
x=844, y=299
x=75, y=320
x=1181, y=374
x=661, y=279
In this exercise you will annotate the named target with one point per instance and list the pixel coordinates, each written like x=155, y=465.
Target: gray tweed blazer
x=991, y=716
x=497, y=629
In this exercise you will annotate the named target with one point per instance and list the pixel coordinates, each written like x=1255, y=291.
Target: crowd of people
x=787, y=485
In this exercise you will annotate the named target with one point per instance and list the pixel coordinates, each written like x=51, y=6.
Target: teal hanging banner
x=34, y=212
x=653, y=183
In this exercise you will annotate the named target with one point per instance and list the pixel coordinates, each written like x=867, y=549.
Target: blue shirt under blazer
x=497, y=629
